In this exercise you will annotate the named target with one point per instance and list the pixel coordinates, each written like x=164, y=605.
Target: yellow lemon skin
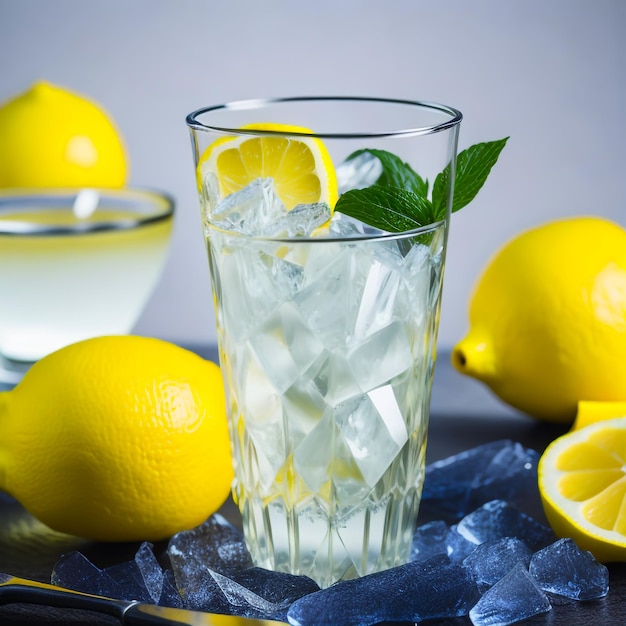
x=547, y=319
x=51, y=137
x=564, y=528
x=119, y=438
x=592, y=412
x=581, y=484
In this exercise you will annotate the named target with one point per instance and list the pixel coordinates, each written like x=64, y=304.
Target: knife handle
x=14, y=589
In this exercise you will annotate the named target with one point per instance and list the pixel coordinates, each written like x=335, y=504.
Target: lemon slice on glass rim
x=300, y=166
x=582, y=483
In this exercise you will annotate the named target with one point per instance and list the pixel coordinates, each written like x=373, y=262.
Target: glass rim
x=382, y=236
x=239, y=105
x=27, y=197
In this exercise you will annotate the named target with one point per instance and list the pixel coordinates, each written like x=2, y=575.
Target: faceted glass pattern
x=327, y=350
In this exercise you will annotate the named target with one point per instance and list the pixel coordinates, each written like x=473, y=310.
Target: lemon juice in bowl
x=77, y=264
x=326, y=324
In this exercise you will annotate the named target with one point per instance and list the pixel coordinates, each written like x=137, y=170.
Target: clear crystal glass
x=327, y=343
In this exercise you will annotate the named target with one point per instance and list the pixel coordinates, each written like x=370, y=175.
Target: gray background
x=549, y=73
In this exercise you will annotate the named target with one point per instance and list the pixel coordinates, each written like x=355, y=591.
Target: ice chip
x=263, y=594
x=344, y=226
x=169, y=592
x=217, y=545
x=458, y=546
x=301, y=221
x=275, y=587
x=75, y=571
x=381, y=298
x=244, y=602
x=498, y=519
x=492, y=560
x=429, y=540
x=253, y=210
x=361, y=171
x=150, y=570
x=381, y=357
x=499, y=470
x=210, y=195
x=564, y=569
x=413, y=592
x=514, y=598
x=374, y=430
x=130, y=581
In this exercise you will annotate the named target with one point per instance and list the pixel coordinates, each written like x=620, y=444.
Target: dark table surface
x=463, y=414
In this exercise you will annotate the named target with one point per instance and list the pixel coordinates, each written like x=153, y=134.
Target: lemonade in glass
x=326, y=324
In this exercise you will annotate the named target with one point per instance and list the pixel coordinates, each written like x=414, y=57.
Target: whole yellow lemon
x=119, y=438
x=548, y=319
x=51, y=137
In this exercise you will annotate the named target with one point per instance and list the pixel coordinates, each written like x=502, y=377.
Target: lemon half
x=582, y=482
x=300, y=166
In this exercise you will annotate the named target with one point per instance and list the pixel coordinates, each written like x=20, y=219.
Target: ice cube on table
x=429, y=540
x=514, y=598
x=130, y=582
x=217, y=545
x=263, y=594
x=413, y=592
x=169, y=592
x=492, y=560
x=503, y=470
x=498, y=519
x=458, y=546
x=564, y=569
x=150, y=570
x=141, y=578
x=361, y=171
x=75, y=571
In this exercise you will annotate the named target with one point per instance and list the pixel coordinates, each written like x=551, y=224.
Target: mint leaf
x=392, y=209
x=396, y=173
x=472, y=168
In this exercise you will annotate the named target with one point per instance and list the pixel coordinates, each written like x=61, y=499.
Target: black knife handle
x=13, y=589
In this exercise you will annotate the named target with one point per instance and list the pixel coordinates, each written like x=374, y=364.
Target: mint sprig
x=389, y=208
x=398, y=201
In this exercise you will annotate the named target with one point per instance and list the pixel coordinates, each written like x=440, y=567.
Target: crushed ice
x=494, y=564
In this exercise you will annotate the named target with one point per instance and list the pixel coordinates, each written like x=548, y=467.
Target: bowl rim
x=160, y=203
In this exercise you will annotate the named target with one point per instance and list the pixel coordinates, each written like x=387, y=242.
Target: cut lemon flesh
x=582, y=482
x=300, y=166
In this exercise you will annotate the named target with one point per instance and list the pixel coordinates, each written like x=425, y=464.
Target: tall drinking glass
x=326, y=329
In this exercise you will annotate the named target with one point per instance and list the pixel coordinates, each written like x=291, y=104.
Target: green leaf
x=391, y=209
x=472, y=169
x=396, y=173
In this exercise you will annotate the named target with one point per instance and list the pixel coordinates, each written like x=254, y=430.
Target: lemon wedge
x=300, y=166
x=582, y=482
